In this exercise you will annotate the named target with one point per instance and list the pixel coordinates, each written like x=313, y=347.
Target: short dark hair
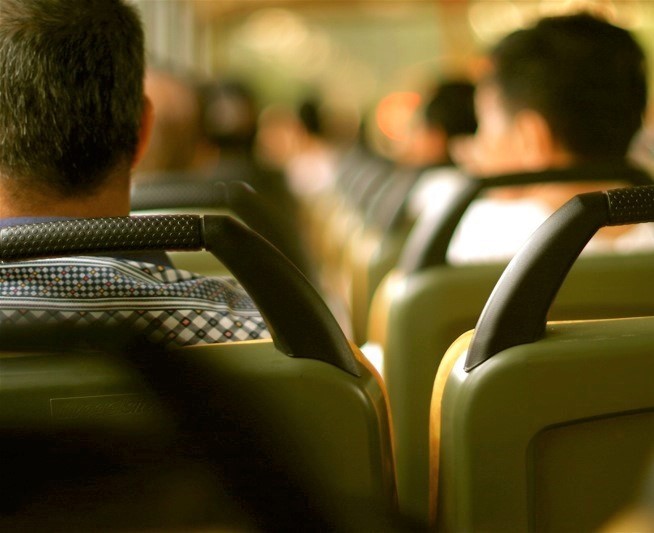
x=71, y=91
x=586, y=77
x=451, y=108
x=229, y=112
x=309, y=115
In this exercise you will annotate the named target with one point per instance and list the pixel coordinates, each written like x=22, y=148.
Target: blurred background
x=351, y=54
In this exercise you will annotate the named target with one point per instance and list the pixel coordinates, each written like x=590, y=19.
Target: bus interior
x=401, y=390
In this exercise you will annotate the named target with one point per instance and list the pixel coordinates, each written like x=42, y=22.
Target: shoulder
x=86, y=278
x=171, y=305
x=494, y=230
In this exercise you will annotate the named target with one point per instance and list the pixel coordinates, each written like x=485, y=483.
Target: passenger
x=565, y=96
x=229, y=115
x=311, y=167
x=74, y=122
x=448, y=118
x=229, y=122
x=176, y=129
x=448, y=114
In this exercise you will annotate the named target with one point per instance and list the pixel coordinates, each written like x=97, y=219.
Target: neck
x=111, y=199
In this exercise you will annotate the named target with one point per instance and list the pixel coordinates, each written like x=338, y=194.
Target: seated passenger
x=447, y=118
x=180, y=153
x=299, y=142
x=175, y=131
x=73, y=123
x=229, y=121
x=565, y=96
x=447, y=115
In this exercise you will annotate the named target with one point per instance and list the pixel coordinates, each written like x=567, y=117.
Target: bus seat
x=324, y=406
x=235, y=198
x=545, y=427
x=346, y=220
x=331, y=425
x=174, y=453
x=353, y=189
x=374, y=248
x=370, y=255
x=424, y=304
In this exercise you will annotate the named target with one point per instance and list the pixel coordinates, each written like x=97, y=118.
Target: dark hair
x=586, y=77
x=452, y=108
x=71, y=91
x=309, y=114
x=229, y=114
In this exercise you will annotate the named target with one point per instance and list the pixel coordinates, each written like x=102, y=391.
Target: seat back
x=235, y=198
x=370, y=255
x=545, y=428
x=425, y=304
x=352, y=196
x=331, y=426
x=149, y=460
x=320, y=406
x=347, y=219
x=374, y=248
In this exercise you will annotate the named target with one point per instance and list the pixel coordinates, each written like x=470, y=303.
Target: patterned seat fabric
x=173, y=306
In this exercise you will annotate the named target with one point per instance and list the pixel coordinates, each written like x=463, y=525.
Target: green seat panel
x=200, y=262
x=549, y=436
x=332, y=425
x=422, y=314
x=371, y=257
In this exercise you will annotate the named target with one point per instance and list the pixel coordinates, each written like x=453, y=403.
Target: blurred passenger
x=448, y=114
x=565, y=96
x=312, y=168
x=447, y=120
x=229, y=123
x=74, y=123
x=176, y=128
x=229, y=116
x=279, y=135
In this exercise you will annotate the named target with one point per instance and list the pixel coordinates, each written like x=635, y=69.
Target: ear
x=538, y=147
x=424, y=146
x=437, y=139
x=145, y=130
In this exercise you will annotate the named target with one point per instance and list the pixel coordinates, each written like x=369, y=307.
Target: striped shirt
x=172, y=306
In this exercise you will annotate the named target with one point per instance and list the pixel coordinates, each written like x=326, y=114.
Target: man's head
x=448, y=114
x=71, y=94
x=229, y=115
x=569, y=89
